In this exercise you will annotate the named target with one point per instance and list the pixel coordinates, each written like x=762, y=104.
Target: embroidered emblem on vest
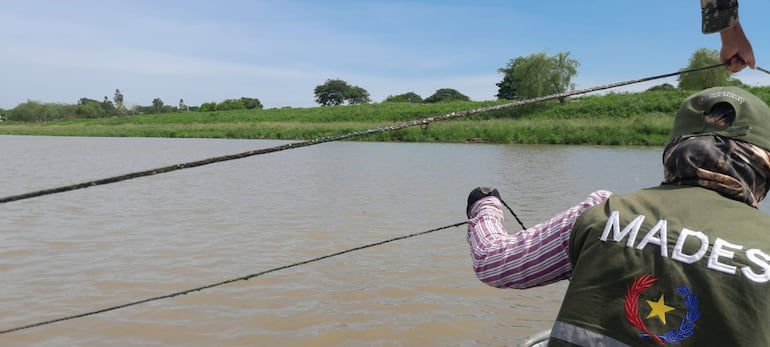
x=659, y=309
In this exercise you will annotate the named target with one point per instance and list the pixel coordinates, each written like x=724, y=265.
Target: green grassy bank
x=612, y=119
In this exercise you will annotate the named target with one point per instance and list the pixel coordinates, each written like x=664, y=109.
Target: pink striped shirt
x=528, y=258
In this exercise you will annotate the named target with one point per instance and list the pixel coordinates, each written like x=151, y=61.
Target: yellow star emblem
x=659, y=309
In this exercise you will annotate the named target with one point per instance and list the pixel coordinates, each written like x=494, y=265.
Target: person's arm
x=718, y=15
x=736, y=49
x=529, y=258
x=722, y=16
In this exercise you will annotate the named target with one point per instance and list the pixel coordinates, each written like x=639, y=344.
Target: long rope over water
x=422, y=122
x=242, y=278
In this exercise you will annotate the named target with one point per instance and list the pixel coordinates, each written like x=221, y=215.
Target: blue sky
x=278, y=51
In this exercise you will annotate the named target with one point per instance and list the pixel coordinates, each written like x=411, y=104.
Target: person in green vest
x=684, y=263
x=722, y=16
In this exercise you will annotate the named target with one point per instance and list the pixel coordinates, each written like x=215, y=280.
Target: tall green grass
x=611, y=119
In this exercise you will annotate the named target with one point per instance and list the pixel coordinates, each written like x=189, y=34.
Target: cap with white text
x=704, y=113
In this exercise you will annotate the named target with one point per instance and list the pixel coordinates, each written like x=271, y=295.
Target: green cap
x=752, y=116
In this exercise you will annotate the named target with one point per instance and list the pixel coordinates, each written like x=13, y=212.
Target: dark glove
x=477, y=194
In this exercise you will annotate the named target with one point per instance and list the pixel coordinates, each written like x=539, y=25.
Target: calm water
x=86, y=250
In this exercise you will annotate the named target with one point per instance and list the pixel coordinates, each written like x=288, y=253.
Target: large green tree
x=336, y=91
x=208, y=106
x=537, y=75
x=88, y=108
x=506, y=89
x=157, y=104
x=231, y=104
x=108, y=107
x=703, y=79
x=117, y=99
x=406, y=97
x=446, y=95
x=251, y=103
x=35, y=111
x=357, y=95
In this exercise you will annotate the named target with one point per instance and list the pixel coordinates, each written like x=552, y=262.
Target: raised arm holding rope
x=722, y=16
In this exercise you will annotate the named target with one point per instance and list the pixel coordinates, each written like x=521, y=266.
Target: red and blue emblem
x=658, y=309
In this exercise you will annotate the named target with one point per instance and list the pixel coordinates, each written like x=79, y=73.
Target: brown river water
x=82, y=251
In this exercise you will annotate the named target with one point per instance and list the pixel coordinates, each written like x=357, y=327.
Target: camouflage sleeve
x=718, y=15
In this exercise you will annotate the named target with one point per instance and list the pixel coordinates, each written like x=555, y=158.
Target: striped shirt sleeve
x=528, y=258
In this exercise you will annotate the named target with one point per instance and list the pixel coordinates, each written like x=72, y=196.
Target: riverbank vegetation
x=642, y=118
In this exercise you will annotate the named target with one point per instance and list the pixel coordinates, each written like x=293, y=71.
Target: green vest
x=677, y=265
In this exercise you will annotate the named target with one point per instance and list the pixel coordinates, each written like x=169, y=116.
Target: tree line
x=35, y=111
x=523, y=77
